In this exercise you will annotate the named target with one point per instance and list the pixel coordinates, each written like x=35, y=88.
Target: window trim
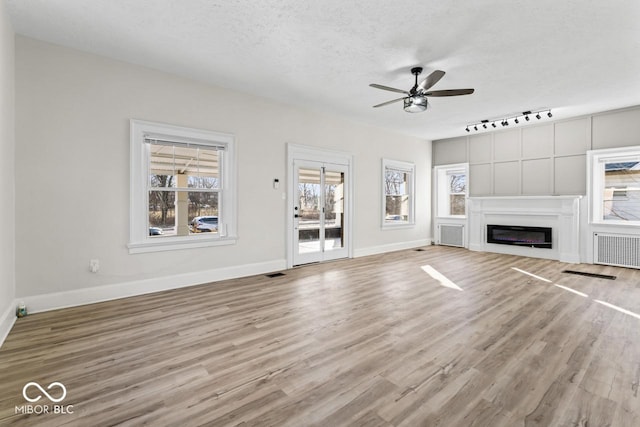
x=403, y=167
x=139, y=240
x=447, y=170
x=595, y=182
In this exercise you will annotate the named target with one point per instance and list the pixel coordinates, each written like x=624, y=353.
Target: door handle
x=296, y=216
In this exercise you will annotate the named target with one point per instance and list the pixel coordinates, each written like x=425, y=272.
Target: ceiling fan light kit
x=505, y=122
x=415, y=100
x=415, y=104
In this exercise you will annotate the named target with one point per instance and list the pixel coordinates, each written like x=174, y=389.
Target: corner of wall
x=7, y=173
x=7, y=319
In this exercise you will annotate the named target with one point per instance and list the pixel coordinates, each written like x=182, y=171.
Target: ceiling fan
x=416, y=99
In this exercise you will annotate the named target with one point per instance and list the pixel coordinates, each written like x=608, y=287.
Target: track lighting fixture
x=505, y=121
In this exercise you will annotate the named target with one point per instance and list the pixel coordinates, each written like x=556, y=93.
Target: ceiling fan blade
x=388, y=102
x=392, y=89
x=450, y=92
x=430, y=80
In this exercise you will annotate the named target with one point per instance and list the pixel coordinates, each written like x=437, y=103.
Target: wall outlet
x=94, y=265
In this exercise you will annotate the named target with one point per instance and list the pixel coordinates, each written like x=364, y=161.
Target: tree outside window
x=398, y=193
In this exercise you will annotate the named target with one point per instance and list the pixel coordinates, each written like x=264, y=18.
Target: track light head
x=475, y=128
x=484, y=125
x=526, y=118
x=549, y=114
x=493, y=124
x=538, y=116
x=467, y=129
x=516, y=121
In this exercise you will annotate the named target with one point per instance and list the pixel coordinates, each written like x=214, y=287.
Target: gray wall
x=542, y=159
x=7, y=172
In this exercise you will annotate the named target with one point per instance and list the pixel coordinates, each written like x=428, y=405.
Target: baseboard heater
x=616, y=249
x=451, y=235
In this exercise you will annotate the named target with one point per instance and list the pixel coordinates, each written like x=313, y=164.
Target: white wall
x=72, y=170
x=7, y=174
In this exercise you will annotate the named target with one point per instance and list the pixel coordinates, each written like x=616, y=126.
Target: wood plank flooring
x=373, y=341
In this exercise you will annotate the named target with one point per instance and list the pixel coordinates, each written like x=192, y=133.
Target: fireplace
x=532, y=237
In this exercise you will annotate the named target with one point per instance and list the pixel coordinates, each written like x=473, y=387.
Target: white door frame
x=302, y=152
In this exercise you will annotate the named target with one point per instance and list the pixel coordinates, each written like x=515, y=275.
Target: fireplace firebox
x=532, y=237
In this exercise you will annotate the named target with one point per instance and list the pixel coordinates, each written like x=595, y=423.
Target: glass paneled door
x=319, y=212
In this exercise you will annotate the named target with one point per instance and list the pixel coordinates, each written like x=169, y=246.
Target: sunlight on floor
x=531, y=274
x=620, y=309
x=582, y=294
x=571, y=290
x=440, y=277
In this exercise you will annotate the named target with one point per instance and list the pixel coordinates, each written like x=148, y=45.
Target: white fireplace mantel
x=561, y=213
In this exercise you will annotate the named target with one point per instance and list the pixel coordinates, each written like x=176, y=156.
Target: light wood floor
x=373, y=341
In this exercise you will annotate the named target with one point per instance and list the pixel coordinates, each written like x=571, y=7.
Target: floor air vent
x=272, y=275
x=451, y=235
x=616, y=249
x=584, y=273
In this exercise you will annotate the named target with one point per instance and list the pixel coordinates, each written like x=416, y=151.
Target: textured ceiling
x=573, y=56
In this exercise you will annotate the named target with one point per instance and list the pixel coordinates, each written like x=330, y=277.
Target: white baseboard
x=57, y=300
x=7, y=319
x=476, y=247
x=570, y=258
x=391, y=247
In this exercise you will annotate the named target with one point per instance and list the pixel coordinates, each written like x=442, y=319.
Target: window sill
x=388, y=226
x=171, y=244
x=451, y=217
x=617, y=224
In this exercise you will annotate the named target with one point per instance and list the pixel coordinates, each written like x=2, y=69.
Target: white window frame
x=596, y=160
x=442, y=193
x=406, y=167
x=139, y=240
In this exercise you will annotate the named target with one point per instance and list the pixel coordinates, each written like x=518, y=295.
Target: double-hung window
x=451, y=190
x=398, y=193
x=182, y=188
x=615, y=186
